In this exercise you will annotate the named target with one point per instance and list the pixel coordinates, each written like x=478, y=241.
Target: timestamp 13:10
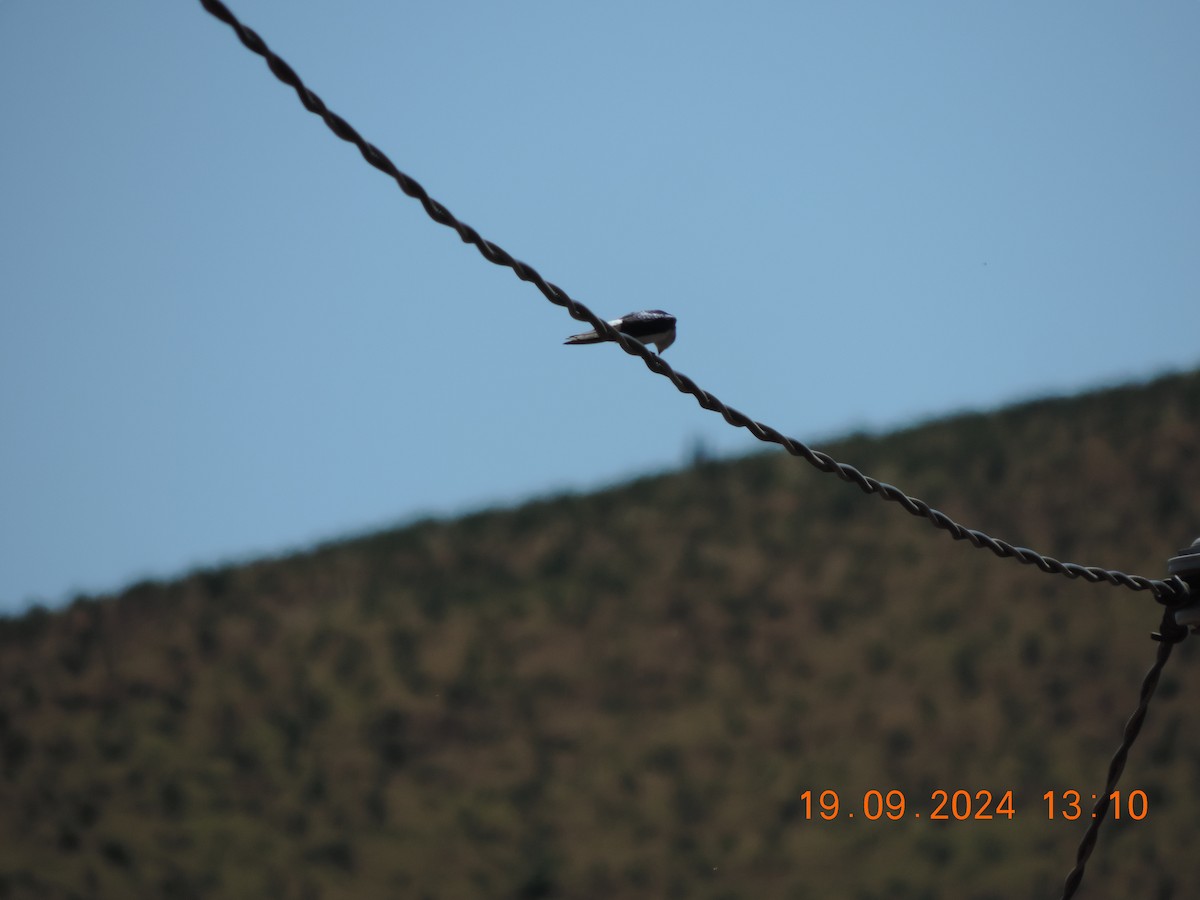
x=962, y=805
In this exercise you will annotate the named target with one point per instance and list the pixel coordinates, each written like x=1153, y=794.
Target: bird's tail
x=588, y=337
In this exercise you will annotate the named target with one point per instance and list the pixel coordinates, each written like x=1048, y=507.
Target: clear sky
x=224, y=335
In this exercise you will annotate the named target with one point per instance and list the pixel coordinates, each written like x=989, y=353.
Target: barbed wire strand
x=1169, y=635
x=1164, y=591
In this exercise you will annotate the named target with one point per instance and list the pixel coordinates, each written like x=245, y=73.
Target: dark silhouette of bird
x=650, y=326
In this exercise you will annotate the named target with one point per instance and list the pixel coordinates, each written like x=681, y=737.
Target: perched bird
x=650, y=326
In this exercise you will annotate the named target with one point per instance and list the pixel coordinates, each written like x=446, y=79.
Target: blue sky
x=224, y=335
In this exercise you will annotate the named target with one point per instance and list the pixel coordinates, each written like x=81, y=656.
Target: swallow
x=650, y=326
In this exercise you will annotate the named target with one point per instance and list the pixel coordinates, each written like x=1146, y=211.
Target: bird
x=650, y=326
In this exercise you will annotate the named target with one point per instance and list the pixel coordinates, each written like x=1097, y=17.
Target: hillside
x=626, y=694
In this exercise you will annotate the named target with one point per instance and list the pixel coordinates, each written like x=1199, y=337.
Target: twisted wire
x=1171, y=633
x=1164, y=591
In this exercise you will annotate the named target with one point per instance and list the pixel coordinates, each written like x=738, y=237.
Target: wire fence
x=1173, y=592
x=1170, y=634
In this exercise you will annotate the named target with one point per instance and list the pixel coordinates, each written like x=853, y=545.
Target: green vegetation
x=627, y=694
